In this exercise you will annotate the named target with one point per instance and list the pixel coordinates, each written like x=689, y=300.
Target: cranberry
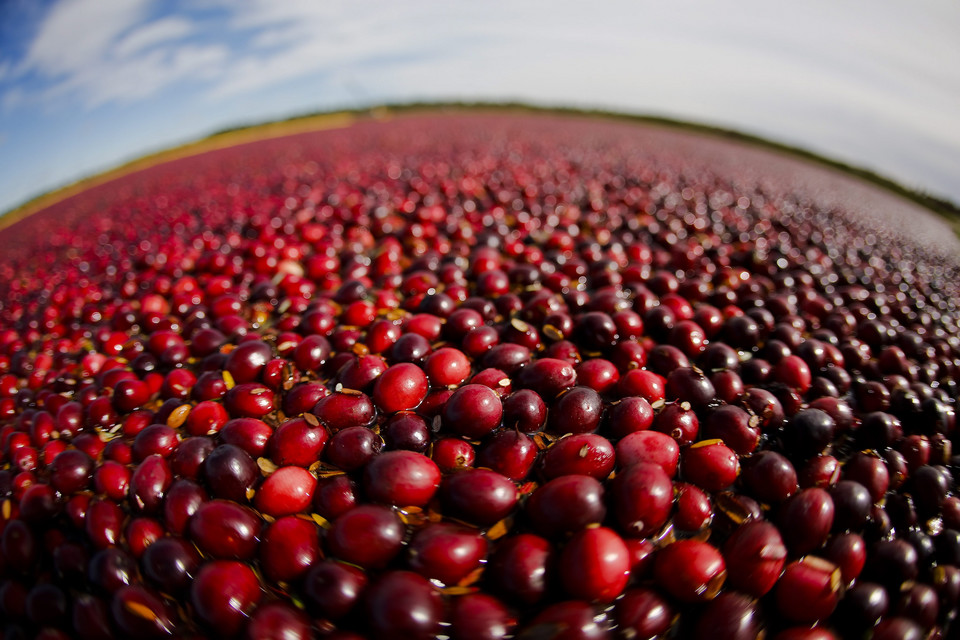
x=223, y=594
x=402, y=386
x=644, y=612
x=368, y=536
x=809, y=590
x=289, y=547
x=225, y=529
x=479, y=496
x=473, y=411
x=403, y=604
x=649, y=446
x=478, y=616
x=171, y=564
x=805, y=520
x=333, y=588
x=286, y=491
x=565, y=505
x=690, y=570
x=641, y=498
x=401, y=478
x=585, y=453
x=710, y=464
x=754, y=555
x=519, y=568
x=574, y=616
x=446, y=552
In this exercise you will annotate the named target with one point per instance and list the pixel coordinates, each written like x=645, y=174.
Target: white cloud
x=159, y=32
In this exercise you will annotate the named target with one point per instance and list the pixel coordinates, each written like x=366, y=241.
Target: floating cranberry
x=401, y=478
x=595, y=565
x=809, y=590
x=754, y=555
x=368, y=536
x=403, y=604
x=223, y=594
x=446, y=552
x=286, y=491
x=479, y=496
x=519, y=568
x=805, y=520
x=401, y=387
x=473, y=411
x=585, y=453
x=690, y=570
x=641, y=498
x=225, y=529
x=710, y=465
x=333, y=588
x=478, y=616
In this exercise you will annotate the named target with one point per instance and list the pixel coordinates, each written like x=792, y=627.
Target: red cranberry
x=692, y=571
x=479, y=496
x=333, y=588
x=510, y=453
x=585, y=453
x=809, y=590
x=473, y=411
x=805, y=520
x=403, y=604
x=644, y=612
x=641, y=498
x=353, y=448
x=565, y=505
x=401, y=478
x=649, y=446
x=368, y=536
x=225, y=529
x=290, y=546
x=401, y=387
x=754, y=555
x=478, y=616
x=446, y=552
x=519, y=568
x=223, y=594
x=287, y=491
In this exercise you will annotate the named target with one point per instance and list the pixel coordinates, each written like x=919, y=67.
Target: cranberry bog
x=480, y=375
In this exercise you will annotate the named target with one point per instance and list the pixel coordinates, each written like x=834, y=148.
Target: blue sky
x=88, y=84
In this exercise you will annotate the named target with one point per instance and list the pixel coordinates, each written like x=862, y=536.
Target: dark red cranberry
x=473, y=411
x=510, y=453
x=368, y=536
x=852, y=504
x=805, y=520
x=223, y=594
x=565, y=505
x=730, y=616
x=170, y=564
x=230, y=472
x=679, y=421
x=446, y=552
x=279, y=621
x=644, y=612
x=478, y=616
x=339, y=411
x=737, y=428
x=769, y=477
x=586, y=453
x=401, y=478
x=524, y=410
x=403, y=604
x=479, y=496
x=821, y=471
x=641, y=498
x=333, y=588
x=754, y=556
x=849, y=552
x=863, y=605
x=576, y=620
x=353, y=448
x=224, y=529
x=690, y=570
x=519, y=568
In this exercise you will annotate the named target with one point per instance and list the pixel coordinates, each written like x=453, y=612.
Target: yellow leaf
x=178, y=416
